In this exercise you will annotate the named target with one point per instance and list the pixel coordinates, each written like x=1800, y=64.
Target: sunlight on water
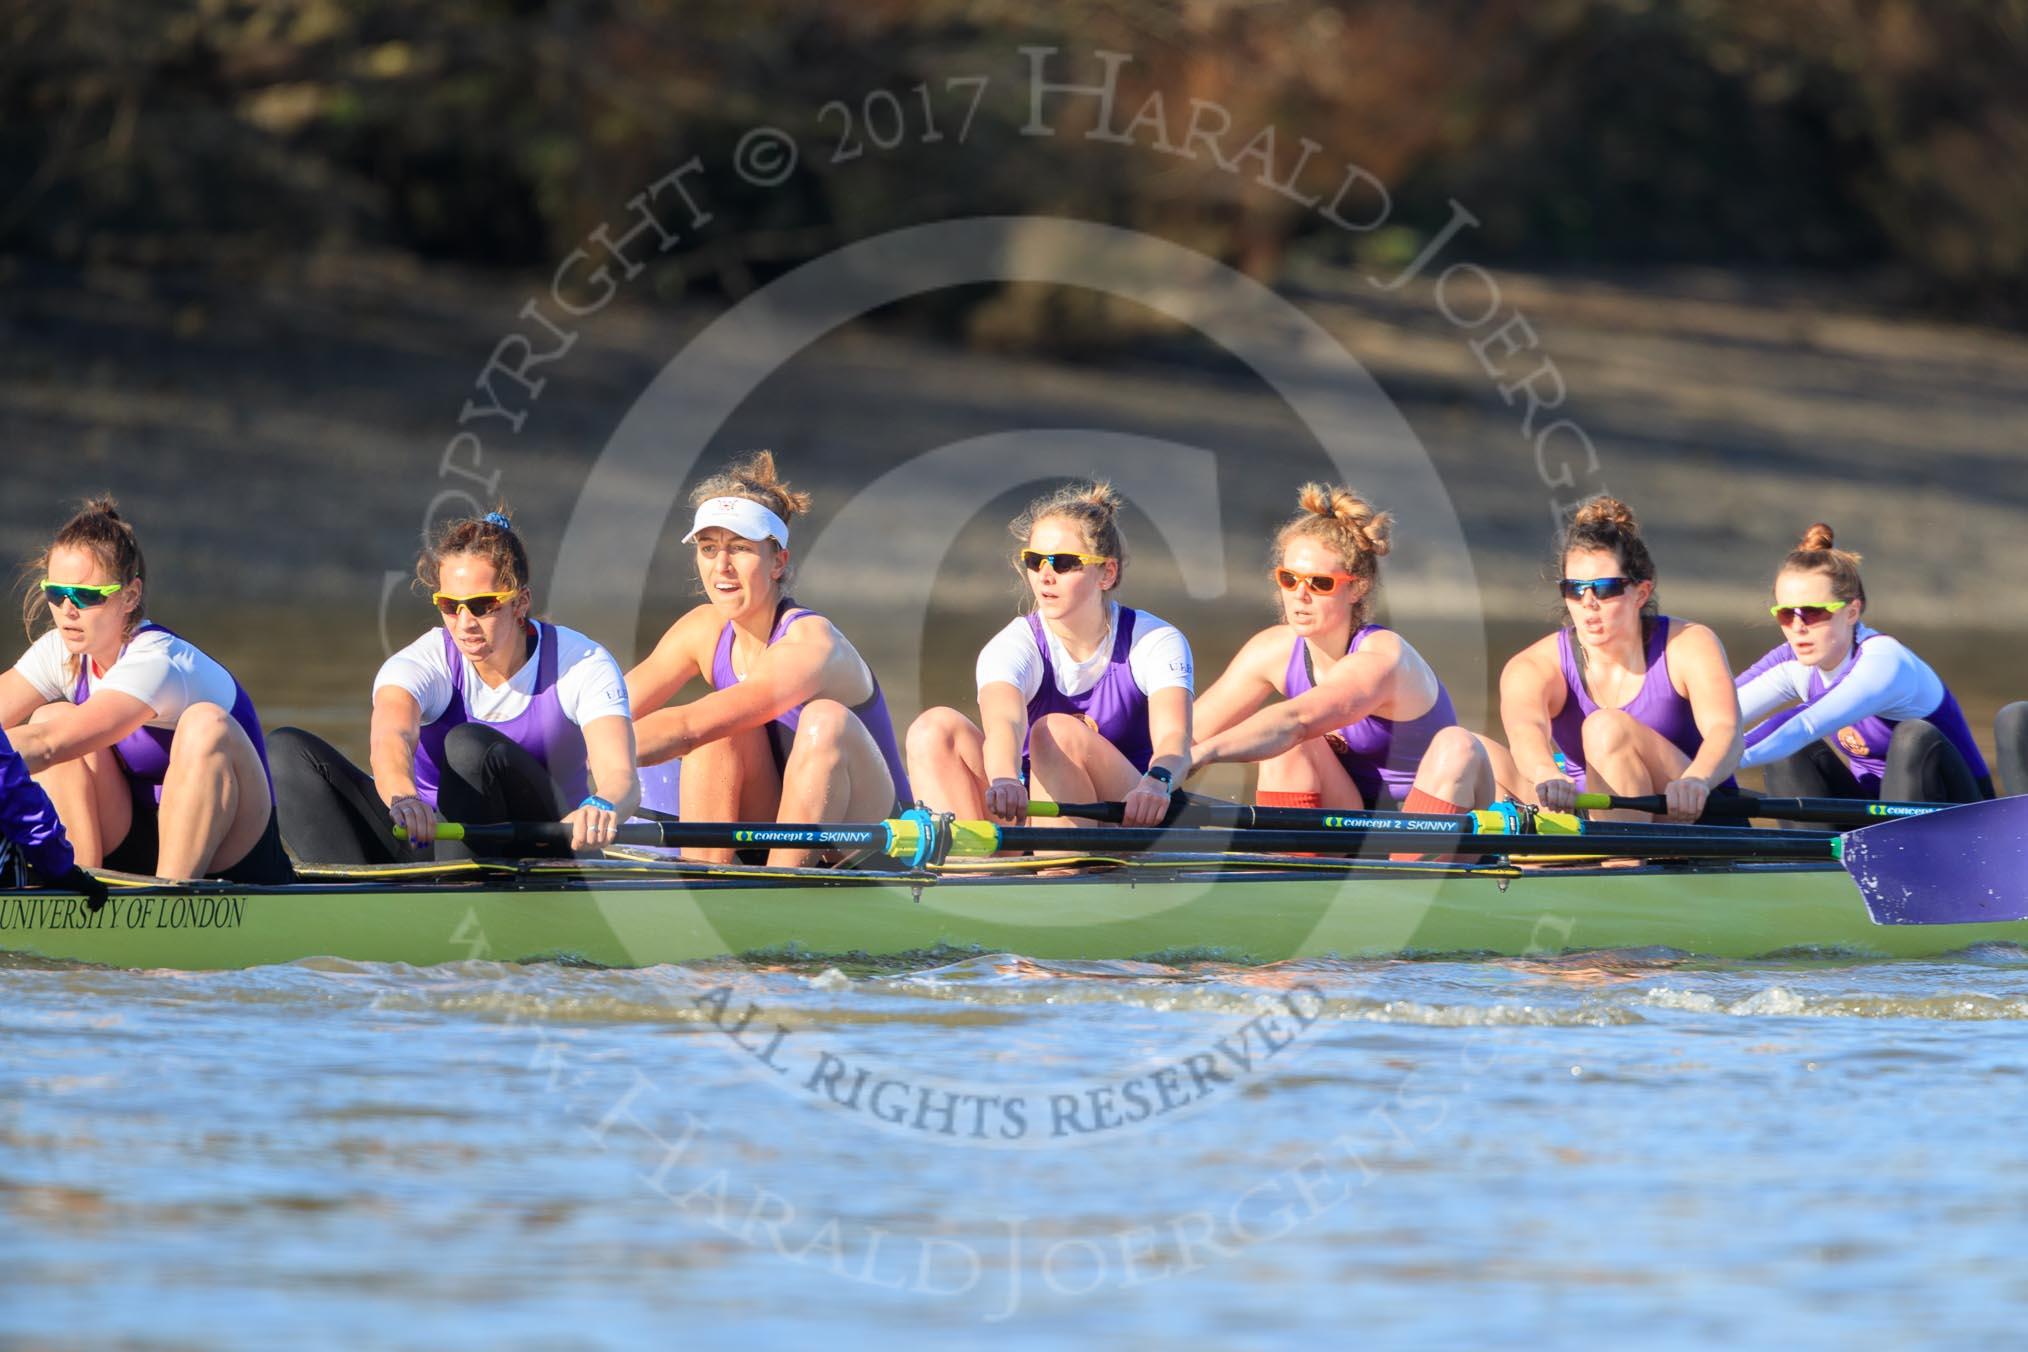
x=1654, y=1150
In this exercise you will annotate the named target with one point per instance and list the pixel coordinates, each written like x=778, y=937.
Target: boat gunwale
x=510, y=879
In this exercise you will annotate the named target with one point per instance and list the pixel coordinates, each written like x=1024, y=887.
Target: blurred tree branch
x=1795, y=132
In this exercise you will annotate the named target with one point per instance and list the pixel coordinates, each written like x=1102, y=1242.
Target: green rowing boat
x=1240, y=908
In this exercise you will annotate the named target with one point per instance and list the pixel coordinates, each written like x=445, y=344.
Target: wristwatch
x=1160, y=774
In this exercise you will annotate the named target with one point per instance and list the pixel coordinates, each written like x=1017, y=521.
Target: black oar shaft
x=1246, y=817
x=1685, y=843
x=982, y=838
x=682, y=835
x=1727, y=807
x=1250, y=819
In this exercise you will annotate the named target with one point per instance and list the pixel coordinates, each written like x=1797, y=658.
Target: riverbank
x=281, y=443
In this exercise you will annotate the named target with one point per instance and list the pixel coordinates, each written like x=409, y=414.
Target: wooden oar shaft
x=1726, y=807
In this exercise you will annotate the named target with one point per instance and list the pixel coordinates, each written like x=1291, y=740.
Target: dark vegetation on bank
x=1883, y=135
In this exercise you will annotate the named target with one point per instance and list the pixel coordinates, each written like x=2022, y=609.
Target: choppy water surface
x=1497, y=1153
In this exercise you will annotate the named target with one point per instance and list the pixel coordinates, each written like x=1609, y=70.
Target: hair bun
x=1605, y=511
x=1369, y=527
x=756, y=478
x=1818, y=536
x=1102, y=497
x=101, y=504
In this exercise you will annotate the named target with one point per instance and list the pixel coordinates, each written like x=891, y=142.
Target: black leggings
x=331, y=813
x=2010, y=740
x=266, y=864
x=1922, y=767
x=329, y=809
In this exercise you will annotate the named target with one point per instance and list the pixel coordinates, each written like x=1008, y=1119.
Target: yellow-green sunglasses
x=1068, y=561
x=83, y=595
x=1805, y=615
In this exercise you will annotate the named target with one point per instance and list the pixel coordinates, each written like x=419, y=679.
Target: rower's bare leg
x=1628, y=759
x=947, y=763
x=1068, y=762
x=91, y=797
x=730, y=780
x=835, y=774
x=1457, y=770
x=215, y=798
x=1507, y=781
x=1311, y=768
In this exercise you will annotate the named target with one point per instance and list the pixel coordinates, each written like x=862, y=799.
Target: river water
x=1632, y=1148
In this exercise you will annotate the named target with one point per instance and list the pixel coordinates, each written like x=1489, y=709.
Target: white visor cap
x=743, y=517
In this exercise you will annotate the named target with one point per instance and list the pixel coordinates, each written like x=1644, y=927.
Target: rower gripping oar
x=1728, y=807
x=1190, y=809
x=1958, y=865
x=920, y=837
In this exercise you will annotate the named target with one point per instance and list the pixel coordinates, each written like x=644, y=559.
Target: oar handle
x=1729, y=807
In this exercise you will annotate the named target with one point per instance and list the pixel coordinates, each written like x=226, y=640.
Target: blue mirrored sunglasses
x=1604, y=588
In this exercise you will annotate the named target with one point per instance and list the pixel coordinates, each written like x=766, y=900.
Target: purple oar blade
x=1961, y=866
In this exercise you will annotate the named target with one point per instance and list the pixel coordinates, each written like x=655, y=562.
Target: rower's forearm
x=393, y=762
x=1267, y=734
x=1001, y=755
x=620, y=788
x=1716, y=759
x=1172, y=754
x=35, y=745
x=661, y=736
x=1534, y=754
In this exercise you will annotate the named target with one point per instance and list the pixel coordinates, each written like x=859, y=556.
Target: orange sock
x=1418, y=801
x=1282, y=798
x=1285, y=798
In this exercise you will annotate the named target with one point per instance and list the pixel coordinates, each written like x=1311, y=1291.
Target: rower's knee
x=202, y=730
x=1608, y=732
x=1052, y=736
x=287, y=745
x=469, y=746
x=934, y=734
x=1454, y=755
x=2010, y=738
x=823, y=726
x=2010, y=725
x=48, y=711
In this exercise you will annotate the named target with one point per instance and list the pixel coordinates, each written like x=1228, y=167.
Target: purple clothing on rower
x=1865, y=741
x=542, y=729
x=1379, y=753
x=144, y=752
x=871, y=712
x=28, y=818
x=1115, y=706
x=1655, y=705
